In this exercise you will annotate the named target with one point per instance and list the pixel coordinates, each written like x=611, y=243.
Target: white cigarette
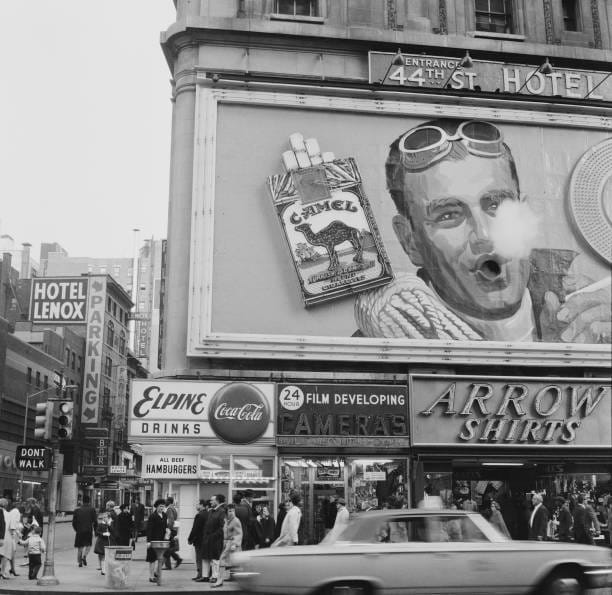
x=605, y=282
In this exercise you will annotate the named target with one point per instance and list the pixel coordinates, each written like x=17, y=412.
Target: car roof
x=418, y=512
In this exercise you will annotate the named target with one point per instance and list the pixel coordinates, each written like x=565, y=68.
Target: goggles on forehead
x=423, y=146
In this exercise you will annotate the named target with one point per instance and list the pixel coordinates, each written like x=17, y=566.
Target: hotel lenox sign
x=510, y=411
x=234, y=412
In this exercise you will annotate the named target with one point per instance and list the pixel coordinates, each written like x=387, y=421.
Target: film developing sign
x=516, y=412
x=342, y=415
x=236, y=412
x=420, y=70
x=328, y=224
x=58, y=301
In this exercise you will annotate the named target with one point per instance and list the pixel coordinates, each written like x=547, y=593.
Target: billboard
x=510, y=412
x=496, y=222
x=58, y=300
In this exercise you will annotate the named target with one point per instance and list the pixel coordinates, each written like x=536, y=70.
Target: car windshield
x=407, y=529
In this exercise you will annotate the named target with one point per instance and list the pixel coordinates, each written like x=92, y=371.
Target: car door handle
x=442, y=555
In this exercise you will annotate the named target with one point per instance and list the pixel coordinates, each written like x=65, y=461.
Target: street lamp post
x=25, y=424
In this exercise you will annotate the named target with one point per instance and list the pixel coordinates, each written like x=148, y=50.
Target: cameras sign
x=235, y=412
x=58, y=300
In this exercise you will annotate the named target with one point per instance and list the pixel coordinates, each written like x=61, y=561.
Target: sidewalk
x=73, y=579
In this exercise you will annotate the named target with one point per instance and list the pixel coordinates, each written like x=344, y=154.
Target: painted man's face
x=453, y=207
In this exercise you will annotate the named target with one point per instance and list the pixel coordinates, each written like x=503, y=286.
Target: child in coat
x=35, y=547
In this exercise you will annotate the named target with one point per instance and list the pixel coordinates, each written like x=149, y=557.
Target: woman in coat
x=124, y=526
x=5, y=554
x=157, y=530
x=104, y=538
x=232, y=541
x=267, y=527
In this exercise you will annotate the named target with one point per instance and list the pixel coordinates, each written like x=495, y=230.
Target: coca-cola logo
x=239, y=413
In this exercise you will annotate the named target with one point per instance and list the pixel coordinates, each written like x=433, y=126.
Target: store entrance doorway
x=474, y=489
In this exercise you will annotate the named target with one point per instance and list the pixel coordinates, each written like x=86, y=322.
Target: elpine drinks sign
x=235, y=412
x=58, y=300
x=342, y=415
x=510, y=411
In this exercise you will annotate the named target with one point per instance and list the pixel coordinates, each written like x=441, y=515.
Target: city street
x=73, y=579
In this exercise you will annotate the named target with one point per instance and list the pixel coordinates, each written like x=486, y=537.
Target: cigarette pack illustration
x=328, y=224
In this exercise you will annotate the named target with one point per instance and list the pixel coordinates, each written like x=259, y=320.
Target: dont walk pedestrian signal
x=65, y=420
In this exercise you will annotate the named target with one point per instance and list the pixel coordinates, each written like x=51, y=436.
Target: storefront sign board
x=170, y=466
x=440, y=72
x=236, y=412
x=358, y=414
x=510, y=411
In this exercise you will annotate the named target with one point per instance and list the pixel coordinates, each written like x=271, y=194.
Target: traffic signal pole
x=48, y=577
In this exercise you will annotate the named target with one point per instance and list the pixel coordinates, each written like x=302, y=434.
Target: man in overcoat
x=212, y=541
x=538, y=522
x=195, y=539
x=84, y=523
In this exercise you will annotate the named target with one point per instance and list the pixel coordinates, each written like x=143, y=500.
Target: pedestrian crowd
x=221, y=529
x=20, y=525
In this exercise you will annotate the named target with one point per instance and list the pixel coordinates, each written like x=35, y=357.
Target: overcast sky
x=85, y=118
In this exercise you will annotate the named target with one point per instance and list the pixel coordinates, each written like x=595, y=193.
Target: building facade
x=393, y=213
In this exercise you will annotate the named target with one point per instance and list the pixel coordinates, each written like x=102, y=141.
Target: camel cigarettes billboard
x=58, y=300
x=487, y=230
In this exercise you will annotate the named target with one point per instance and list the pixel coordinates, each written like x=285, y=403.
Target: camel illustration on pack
x=331, y=236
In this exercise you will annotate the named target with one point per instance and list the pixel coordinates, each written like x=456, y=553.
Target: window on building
x=38, y=379
x=122, y=343
x=45, y=381
x=110, y=333
x=494, y=16
x=79, y=363
x=115, y=309
x=298, y=8
x=29, y=376
x=108, y=366
x=570, y=15
x=73, y=360
x=67, y=356
x=108, y=304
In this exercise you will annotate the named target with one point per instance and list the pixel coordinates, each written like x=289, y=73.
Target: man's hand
x=585, y=317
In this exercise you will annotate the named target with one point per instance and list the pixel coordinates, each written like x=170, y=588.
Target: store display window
x=363, y=483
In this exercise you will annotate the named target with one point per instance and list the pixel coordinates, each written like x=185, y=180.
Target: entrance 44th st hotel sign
x=510, y=411
x=419, y=70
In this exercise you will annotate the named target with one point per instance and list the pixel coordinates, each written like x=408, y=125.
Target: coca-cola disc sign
x=239, y=413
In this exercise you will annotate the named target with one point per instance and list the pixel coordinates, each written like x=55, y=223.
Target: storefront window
x=474, y=487
x=255, y=474
x=364, y=484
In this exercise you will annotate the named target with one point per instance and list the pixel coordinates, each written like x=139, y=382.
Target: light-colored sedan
x=424, y=551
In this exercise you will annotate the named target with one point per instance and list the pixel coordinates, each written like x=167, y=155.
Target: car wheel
x=563, y=582
x=348, y=588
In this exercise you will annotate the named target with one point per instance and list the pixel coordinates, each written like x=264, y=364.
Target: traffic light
x=43, y=427
x=65, y=419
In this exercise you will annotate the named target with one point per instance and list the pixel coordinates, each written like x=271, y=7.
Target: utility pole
x=48, y=578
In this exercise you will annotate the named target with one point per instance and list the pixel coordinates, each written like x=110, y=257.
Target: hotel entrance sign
x=423, y=71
